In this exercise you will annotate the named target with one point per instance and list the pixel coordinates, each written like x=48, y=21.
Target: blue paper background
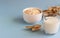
x=11, y=21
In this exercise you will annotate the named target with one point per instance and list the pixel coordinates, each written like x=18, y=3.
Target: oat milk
x=51, y=25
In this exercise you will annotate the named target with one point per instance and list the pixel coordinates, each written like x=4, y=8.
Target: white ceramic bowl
x=31, y=18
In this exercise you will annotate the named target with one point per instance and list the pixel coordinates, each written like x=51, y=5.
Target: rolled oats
x=33, y=11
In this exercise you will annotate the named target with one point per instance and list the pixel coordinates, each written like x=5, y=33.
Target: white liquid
x=51, y=25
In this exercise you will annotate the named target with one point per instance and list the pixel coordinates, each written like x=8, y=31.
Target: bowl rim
x=30, y=8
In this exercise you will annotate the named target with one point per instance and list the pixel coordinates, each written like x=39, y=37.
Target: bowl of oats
x=32, y=15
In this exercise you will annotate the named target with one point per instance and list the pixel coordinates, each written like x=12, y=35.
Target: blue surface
x=11, y=21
